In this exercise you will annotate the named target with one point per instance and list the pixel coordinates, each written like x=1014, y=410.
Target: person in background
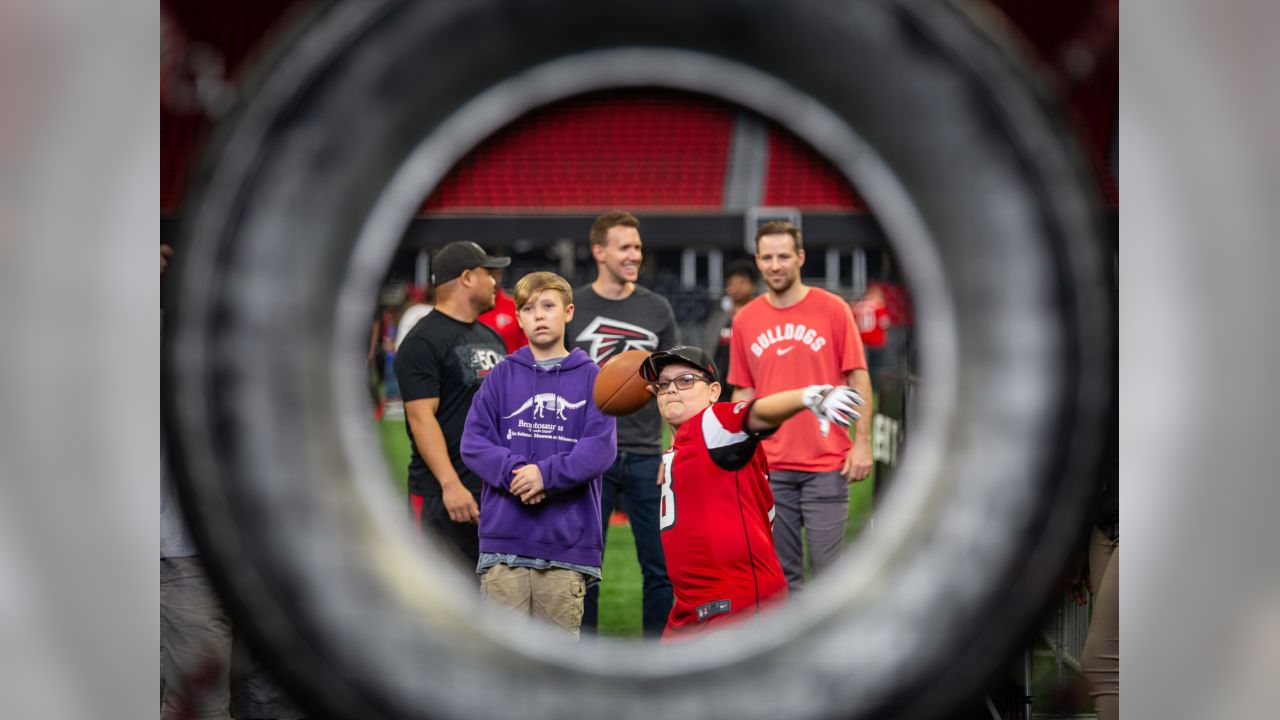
x=397, y=321
x=440, y=366
x=418, y=304
x=537, y=440
x=717, y=509
x=739, y=289
x=376, y=363
x=503, y=318
x=795, y=335
x=1099, y=574
x=615, y=314
x=206, y=669
x=195, y=630
x=871, y=315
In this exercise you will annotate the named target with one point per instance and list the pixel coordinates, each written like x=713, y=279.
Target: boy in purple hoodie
x=540, y=444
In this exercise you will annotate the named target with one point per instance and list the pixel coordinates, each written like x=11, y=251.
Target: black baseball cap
x=455, y=257
x=684, y=354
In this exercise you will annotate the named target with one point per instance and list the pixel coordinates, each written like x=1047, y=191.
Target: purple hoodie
x=524, y=414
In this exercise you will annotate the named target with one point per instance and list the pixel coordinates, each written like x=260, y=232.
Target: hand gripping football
x=619, y=389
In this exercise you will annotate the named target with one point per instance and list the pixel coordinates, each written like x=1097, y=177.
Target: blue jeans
x=390, y=383
x=632, y=481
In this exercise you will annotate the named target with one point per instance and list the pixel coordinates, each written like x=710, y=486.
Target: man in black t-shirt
x=440, y=366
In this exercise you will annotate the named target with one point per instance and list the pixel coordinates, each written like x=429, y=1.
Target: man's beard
x=786, y=284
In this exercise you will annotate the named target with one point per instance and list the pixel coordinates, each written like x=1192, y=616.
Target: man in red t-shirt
x=716, y=515
x=791, y=336
x=504, y=320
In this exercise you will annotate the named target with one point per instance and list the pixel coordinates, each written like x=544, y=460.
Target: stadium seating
x=641, y=149
x=635, y=149
x=799, y=177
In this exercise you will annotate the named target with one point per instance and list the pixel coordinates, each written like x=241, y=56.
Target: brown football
x=619, y=388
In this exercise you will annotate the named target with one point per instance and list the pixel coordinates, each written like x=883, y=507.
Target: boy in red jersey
x=716, y=516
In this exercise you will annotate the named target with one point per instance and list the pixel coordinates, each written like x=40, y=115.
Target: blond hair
x=536, y=282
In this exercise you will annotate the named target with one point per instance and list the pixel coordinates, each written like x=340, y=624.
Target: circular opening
x=540, y=86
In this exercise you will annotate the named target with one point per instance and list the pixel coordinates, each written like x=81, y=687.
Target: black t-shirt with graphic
x=604, y=328
x=447, y=359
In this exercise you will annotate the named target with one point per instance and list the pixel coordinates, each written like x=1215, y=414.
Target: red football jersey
x=717, y=522
x=503, y=318
x=872, y=318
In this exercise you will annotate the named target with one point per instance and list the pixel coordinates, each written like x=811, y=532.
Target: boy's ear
x=716, y=389
x=568, y=313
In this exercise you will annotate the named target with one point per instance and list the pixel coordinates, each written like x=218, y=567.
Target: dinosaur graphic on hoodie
x=546, y=401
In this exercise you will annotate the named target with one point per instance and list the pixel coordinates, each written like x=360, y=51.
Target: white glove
x=832, y=404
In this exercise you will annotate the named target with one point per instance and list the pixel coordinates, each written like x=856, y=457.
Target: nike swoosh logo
x=785, y=350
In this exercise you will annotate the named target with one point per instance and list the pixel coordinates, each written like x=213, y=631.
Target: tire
x=300, y=204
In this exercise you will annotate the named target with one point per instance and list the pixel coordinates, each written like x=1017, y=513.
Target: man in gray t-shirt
x=612, y=315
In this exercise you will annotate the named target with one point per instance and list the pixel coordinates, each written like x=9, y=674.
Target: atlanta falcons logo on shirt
x=610, y=337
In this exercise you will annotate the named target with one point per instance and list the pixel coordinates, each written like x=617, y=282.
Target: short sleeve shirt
x=717, y=522
x=813, y=342
x=604, y=328
x=447, y=359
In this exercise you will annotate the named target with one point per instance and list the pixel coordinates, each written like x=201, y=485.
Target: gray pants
x=195, y=644
x=816, y=502
x=203, y=668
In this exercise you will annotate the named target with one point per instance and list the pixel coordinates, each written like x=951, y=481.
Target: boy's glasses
x=682, y=382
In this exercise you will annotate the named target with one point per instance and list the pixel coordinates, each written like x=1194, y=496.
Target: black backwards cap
x=452, y=259
x=685, y=354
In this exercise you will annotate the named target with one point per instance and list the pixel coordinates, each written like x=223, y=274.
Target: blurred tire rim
x=306, y=192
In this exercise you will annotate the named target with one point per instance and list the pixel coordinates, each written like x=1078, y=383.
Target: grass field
x=620, y=592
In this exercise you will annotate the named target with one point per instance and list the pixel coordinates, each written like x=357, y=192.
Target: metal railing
x=1062, y=637
x=1066, y=633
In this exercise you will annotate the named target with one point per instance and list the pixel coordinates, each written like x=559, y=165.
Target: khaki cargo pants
x=553, y=595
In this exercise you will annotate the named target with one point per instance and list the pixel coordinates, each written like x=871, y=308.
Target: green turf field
x=620, y=593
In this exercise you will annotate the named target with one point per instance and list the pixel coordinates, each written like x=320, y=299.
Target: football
x=619, y=389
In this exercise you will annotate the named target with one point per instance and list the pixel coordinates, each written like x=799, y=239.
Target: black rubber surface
x=298, y=208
